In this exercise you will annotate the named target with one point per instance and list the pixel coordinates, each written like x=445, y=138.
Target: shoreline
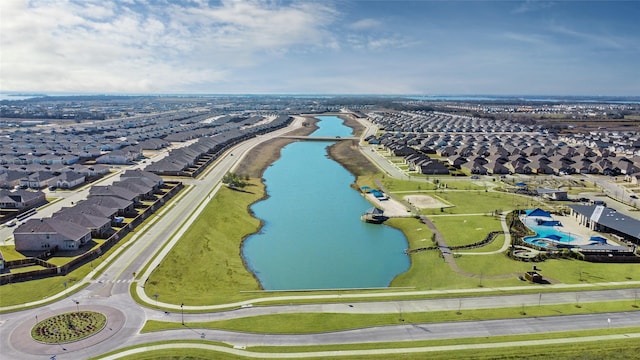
x=256, y=167
x=345, y=153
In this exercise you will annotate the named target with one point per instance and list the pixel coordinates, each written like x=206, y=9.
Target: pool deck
x=571, y=226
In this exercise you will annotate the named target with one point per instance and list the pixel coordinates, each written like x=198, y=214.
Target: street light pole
x=182, y=312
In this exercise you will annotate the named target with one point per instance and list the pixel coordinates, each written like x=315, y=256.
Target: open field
x=465, y=230
x=216, y=270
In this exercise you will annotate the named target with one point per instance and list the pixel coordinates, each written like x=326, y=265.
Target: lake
x=312, y=237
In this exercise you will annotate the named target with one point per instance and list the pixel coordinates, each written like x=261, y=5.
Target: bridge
x=320, y=138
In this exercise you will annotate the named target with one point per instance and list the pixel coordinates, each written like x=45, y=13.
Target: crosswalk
x=119, y=281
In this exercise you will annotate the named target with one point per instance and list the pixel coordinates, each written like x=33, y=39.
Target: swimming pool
x=547, y=232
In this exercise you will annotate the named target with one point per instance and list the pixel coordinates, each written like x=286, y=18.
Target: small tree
x=233, y=180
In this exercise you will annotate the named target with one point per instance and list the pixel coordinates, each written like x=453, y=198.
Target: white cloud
x=109, y=46
x=365, y=24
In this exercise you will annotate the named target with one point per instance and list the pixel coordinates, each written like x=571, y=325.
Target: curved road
x=110, y=293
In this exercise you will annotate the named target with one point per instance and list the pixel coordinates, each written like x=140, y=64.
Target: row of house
x=95, y=217
x=178, y=161
x=126, y=139
x=424, y=122
x=50, y=157
x=507, y=153
x=38, y=177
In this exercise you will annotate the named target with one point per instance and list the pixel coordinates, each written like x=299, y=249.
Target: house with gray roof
x=21, y=199
x=9, y=179
x=69, y=180
x=115, y=191
x=100, y=226
x=49, y=233
x=142, y=174
x=122, y=206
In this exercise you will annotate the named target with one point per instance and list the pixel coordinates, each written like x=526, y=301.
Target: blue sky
x=321, y=47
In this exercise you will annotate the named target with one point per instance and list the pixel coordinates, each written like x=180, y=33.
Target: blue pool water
x=312, y=236
x=546, y=233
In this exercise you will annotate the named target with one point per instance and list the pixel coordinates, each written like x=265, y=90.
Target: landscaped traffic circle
x=68, y=327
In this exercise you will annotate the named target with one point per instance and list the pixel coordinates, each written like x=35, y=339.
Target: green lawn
x=568, y=271
x=9, y=253
x=329, y=322
x=26, y=269
x=608, y=349
x=495, y=245
x=480, y=202
x=26, y=291
x=464, y=230
x=211, y=248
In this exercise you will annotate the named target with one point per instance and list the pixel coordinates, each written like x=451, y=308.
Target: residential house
x=38, y=180
x=21, y=199
x=49, y=233
x=100, y=226
x=69, y=180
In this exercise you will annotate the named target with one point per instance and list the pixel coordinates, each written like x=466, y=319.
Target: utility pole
x=182, y=312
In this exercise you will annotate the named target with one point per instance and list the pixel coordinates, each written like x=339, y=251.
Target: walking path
x=238, y=351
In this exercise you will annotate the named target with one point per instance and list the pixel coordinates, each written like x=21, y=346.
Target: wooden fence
x=53, y=270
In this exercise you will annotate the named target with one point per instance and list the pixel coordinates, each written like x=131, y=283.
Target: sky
x=320, y=47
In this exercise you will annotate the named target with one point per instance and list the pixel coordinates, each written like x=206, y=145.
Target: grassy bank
x=205, y=266
x=212, y=245
x=602, y=349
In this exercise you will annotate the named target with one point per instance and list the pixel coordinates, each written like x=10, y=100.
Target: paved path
x=390, y=352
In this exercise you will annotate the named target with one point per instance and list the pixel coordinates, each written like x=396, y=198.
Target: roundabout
x=68, y=327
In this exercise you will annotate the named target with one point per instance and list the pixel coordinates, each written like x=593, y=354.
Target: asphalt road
x=110, y=293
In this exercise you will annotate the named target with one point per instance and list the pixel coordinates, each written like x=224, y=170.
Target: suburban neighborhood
x=75, y=192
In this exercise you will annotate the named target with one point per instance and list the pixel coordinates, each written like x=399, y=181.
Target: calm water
x=312, y=236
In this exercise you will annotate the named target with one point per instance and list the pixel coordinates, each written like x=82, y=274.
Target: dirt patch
x=260, y=157
x=424, y=202
x=348, y=154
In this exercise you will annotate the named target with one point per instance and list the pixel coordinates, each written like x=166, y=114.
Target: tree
x=233, y=180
